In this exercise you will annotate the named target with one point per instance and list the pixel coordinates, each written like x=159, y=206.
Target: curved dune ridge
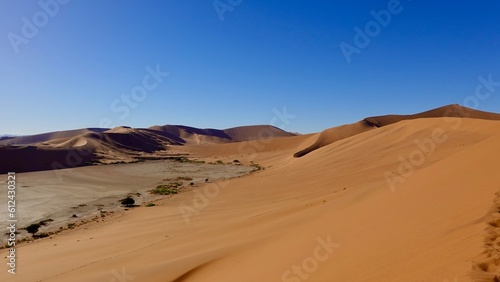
x=75, y=142
x=338, y=133
x=330, y=216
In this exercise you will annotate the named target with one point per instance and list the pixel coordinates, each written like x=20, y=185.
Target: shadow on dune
x=190, y=273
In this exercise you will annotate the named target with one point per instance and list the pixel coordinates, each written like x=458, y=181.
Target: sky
x=303, y=66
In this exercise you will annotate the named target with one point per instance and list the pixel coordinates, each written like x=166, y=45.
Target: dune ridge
x=338, y=133
x=63, y=149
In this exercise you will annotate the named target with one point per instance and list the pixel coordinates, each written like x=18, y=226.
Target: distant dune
x=38, y=138
x=338, y=133
x=454, y=110
x=32, y=158
x=116, y=144
x=193, y=135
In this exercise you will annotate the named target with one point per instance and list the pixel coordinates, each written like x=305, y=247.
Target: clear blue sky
x=224, y=73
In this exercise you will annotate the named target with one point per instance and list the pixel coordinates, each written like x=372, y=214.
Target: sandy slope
x=429, y=225
x=335, y=134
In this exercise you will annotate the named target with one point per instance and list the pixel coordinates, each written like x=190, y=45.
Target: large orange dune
x=338, y=133
x=388, y=199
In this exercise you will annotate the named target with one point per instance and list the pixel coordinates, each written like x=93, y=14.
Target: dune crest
x=341, y=132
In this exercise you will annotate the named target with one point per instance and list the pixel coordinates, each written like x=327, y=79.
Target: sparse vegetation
x=128, y=201
x=184, y=178
x=219, y=162
x=167, y=189
x=33, y=228
x=186, y=160
x=256, y=167
x=150, y=205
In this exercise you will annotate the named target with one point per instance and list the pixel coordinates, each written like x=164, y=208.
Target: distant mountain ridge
x=178, y=134
x=72, y=148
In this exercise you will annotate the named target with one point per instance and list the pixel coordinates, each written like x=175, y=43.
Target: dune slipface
x=385, y=199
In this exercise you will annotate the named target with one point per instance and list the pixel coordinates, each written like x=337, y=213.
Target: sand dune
x=31, y=158
x=454, y=110
x=81, y=150
x=40, y=138
x=117, y=144
x=256, y=132
x=236, y=134
x=413, y=200
x=334, y=134
x=338, y=133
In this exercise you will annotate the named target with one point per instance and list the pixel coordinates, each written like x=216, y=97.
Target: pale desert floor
x=89, y=192
x=327, y=216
